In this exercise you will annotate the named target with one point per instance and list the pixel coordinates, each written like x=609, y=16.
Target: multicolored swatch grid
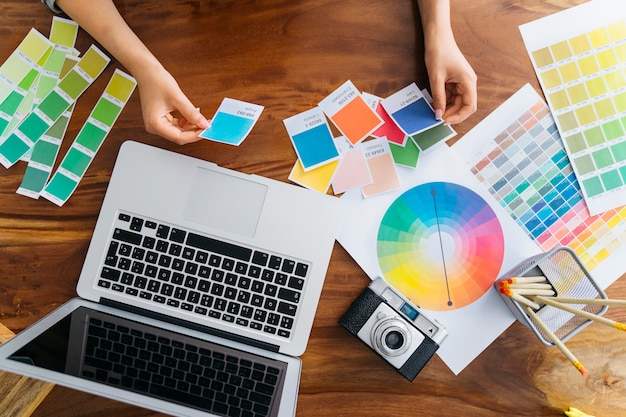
x=583, y=76
x=528, y=172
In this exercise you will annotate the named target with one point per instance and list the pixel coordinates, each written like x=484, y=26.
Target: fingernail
x=438, y=114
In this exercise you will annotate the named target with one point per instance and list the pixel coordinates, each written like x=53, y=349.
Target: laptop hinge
x=190, y=325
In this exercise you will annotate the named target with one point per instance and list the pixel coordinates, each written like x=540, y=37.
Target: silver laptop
x=197, y=294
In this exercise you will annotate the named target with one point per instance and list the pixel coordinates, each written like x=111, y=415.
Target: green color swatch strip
x=90, y=138
x=43, y=157
x=22, y=60
x=48, y=111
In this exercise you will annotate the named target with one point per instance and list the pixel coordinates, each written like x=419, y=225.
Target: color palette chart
x=46, y=113
x=441, y=245
x=90, y=138
x=579, y=56
x=517, y=154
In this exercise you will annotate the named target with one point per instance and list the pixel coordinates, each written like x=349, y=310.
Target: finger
x=463, y=105
x=192, y=114
x=438, y=91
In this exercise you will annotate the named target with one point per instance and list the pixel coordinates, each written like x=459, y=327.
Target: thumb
x=438, y=91
x=192, y=114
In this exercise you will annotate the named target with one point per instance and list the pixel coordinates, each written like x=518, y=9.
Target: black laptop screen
x=159, y=363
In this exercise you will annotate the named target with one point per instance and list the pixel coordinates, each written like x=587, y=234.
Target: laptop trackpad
x=225, y=202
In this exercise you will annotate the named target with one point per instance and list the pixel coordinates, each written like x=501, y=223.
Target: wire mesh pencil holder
x=569, y=279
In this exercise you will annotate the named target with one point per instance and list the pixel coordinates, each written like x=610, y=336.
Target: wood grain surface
x=287, y=55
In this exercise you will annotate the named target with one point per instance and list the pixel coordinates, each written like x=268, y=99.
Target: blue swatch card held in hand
x=232, y=122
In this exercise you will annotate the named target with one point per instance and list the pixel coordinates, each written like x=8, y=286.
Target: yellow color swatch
x=93, y=62
x=569, y=72
x=588, y=65
x=121, y=86
x=34, y=45
x=317, y=179
x=606, y=58
x=585, y=115
x=577, y=93
x=559, y=100
x=580, y=44
x=551, y=78
x=617, y=31
x=596, y=86
x=63, y=32
x=615, y=80
x=598, y=38
x=604, y=108
x=620, y=103
x=542, y=57
x=567, y=121
x=561, y=51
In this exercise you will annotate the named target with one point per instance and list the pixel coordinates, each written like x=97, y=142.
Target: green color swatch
x=89, y=139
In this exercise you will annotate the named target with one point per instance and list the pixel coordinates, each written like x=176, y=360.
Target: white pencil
x=530, y=291
x=591, y=301
x=535, y=286
x=526, y=280
x=581, y=313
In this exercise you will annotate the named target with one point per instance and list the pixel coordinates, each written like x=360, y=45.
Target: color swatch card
x=63, y=33
x=353, y=170
x=43, y=156
x=90, y=138
x=350, y=114
x=382, y=168
x=311, y=138
x=428, y=138
x=389, y=129
x=46, y=113
x=518, y=156
x=19, y=73
x=44, y=152
x=316, y=179
x=410, y=110
x=232, y=122
x=579, y=56
x=22, y=62
x=406, y=155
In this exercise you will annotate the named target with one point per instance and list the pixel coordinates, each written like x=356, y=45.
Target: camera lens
x=391, y=337
x=394, y=340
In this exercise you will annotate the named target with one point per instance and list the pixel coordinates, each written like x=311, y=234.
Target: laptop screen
x=158, y=363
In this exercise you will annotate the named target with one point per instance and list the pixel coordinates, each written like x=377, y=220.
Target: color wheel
x=441, y=245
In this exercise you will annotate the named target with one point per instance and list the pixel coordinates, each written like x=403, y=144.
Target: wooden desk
x=287, y=55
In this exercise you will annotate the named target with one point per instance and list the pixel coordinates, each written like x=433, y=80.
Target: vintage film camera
x=394, y=328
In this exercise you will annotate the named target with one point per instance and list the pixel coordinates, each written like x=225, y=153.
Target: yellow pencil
x=581, y=313
x=557, y=342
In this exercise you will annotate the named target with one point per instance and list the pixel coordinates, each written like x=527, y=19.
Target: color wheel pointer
x=443, y=255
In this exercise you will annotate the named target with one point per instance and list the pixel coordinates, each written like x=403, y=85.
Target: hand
x=167, y=112
x=452, y=82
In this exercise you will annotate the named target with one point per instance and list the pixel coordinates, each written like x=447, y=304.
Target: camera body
x=394, y=328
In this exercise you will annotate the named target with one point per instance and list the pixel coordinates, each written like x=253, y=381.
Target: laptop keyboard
x=167, y=265
x=180, y=369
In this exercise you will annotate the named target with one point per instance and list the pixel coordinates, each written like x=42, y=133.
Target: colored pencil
x=581, y=313
x=557, y=342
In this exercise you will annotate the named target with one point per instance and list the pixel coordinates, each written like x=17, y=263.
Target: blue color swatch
x=415, y=117
x=315, y=146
